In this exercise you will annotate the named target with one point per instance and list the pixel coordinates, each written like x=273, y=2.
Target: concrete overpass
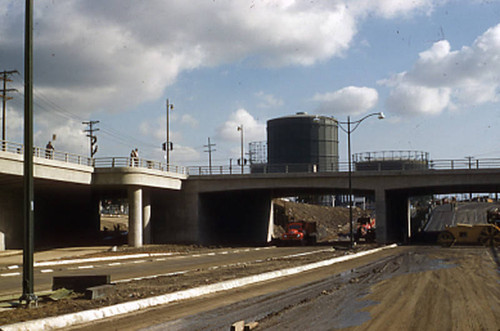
x=169, y=205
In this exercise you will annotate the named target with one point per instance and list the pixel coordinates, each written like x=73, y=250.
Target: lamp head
x=381, y=116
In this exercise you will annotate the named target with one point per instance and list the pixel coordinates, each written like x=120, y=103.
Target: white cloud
x=182, y=154
x=189, y=120
x=252, y=129
x=444, y=79
x=268, y=100
x=393, y=8
x=113, y=55
x=351, y=100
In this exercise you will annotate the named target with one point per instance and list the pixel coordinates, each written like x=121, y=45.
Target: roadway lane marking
x=11, y=267
x=11, y=274
x=86, y=267
x=114, y=264
x=44, y=271
x=133, y=306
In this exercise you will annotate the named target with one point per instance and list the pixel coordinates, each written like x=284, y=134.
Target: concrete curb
x=86, y=316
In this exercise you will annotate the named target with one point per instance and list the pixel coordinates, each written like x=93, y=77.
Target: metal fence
x=49, y=154
x=124, y=162
x=121, y=162
x=445, y=164
x=105, y=162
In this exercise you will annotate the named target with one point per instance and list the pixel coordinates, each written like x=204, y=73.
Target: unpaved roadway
x=407, y=288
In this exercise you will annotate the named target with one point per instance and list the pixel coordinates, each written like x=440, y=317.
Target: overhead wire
x=45, y=104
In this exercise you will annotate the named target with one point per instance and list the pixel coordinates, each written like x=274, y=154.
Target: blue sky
x=431, y=66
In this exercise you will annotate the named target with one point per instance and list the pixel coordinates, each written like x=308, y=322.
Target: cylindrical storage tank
x=303, y=142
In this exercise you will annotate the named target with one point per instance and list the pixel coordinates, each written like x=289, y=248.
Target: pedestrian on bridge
x=49, y=150
x=134, y=158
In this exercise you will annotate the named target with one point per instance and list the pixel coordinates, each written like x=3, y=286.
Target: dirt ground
x=332, y=222
x=431, y=288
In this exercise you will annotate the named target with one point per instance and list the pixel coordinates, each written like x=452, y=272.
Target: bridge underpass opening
x=428, y=215
x=235, y=218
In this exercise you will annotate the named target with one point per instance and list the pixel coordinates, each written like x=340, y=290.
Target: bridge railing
x=105, y=162
x=49, y=154
x=457, y=164
x=124, y=162
x=265, y=168
x=491, y=163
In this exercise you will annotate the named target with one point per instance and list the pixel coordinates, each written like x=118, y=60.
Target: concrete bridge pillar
x=381, y=216
x=135, y=216
x=146, y=216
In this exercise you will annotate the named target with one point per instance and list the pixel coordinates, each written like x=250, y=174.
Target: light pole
x=167, y=143
x=242, y=162
x=349, y=131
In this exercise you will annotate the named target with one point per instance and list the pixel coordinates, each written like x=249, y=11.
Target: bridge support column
x=146, y=216
x=408, y=221
x=135, y=216
x=270, y=228
x=381, y=216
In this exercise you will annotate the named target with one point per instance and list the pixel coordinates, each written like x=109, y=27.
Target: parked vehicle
x=365, y=229
x=300, y=232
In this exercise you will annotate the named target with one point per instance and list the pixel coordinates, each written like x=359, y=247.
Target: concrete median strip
x=68, y=320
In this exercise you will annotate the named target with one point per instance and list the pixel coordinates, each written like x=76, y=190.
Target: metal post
x=351, y=234
x=167, y=143
x=242, y=161
x=28, y=295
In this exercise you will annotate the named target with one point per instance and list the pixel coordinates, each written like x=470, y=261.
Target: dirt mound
x=332, y=222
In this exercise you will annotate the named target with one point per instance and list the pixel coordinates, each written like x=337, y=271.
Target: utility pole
x=210, y=150
x=242, y=159
x=168, y=145
x=28, y=296
x=93, y=139
x=4, y=77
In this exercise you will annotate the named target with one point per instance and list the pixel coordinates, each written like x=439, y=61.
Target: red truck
x=365, y=229
x=300, y=232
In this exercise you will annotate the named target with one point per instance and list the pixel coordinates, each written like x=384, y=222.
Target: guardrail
x=105, y=162
x=50, y=154
x=124, y=162
x=375, y=165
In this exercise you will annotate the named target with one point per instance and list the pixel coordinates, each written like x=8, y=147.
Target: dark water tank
x=303, y=140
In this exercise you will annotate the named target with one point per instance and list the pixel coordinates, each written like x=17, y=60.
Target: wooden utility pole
x=5, y=77
x=93, y=139
x=209, y=151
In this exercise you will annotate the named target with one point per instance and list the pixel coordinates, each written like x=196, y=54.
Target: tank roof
x=303, y=115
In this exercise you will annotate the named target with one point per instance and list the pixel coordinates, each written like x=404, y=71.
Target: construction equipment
x=493, y=216
x=365, y=229
x=300, y=232
x=481, y=234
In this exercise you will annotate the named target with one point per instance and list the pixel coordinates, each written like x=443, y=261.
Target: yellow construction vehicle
x=481, y=234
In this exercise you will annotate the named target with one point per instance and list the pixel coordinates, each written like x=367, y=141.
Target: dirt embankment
x=332, y=222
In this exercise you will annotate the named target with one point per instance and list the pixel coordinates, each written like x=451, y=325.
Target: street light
x=349, y=131
x=242, y=162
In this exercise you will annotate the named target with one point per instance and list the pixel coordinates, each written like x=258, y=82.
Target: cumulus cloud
x=113, y=55
x=189, y=120
x=268, y=100
x=351, y=100
x=443, y=78
x=252, y=129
